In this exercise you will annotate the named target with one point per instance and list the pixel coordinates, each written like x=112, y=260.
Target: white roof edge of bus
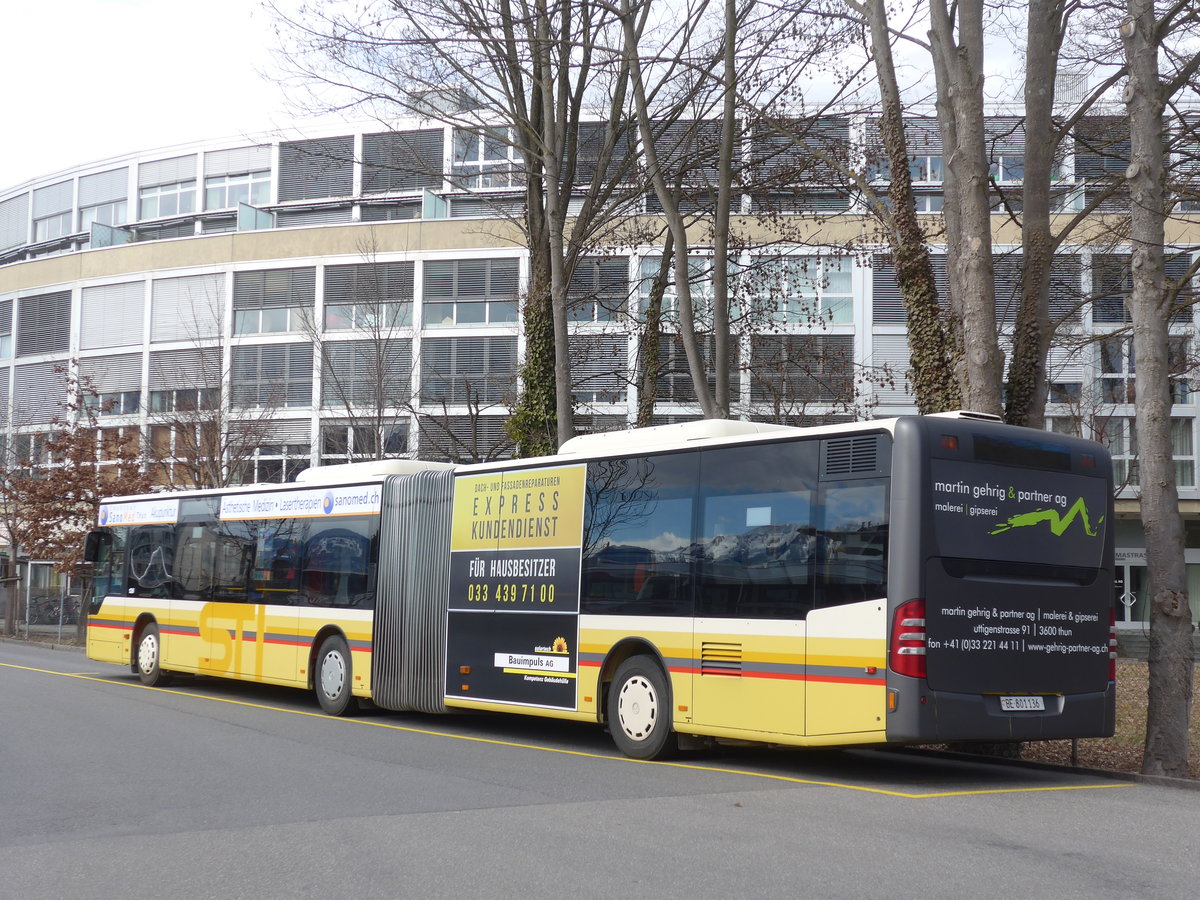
x=344, y=473
x=666, y=435
x=965, y=414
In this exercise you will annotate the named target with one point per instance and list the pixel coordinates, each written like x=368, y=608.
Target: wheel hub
x=333, y=675
x=147, y=653
x=637, y=708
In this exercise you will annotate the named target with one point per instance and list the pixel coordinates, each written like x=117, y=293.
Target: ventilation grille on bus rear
x=719, y=658
x=851, y=455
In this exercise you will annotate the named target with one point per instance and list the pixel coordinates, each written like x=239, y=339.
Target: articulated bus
x=912, y=580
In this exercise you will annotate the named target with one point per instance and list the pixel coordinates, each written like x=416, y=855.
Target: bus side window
x=275, y=554
x=637, y=536
x=758, y=540
x=338, y=567
x=210, y=565
x=151, y=560
x=854, y=542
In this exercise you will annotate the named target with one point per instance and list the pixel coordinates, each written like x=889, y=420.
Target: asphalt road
x=212, y=789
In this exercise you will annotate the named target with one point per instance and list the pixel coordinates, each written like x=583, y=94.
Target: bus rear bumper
x=938, y=716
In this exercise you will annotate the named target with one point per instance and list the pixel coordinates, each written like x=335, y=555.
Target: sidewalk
x=68, y=635
x=1133, y=642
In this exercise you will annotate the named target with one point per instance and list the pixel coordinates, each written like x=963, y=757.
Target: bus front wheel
x=149, y=657
x=639, y=710
x=333, y=678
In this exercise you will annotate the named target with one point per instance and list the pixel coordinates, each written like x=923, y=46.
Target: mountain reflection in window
x=746, y=532
x=637, y=535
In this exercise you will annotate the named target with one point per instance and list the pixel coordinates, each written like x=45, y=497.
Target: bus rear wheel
x=148, y=658
x=333, y=678
x=639, y=710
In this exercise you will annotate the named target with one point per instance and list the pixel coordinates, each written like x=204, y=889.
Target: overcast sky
x=87, y=79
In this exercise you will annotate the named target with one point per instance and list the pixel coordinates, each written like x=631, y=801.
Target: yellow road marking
x=429, y=732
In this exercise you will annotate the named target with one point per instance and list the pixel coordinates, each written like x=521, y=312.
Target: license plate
x=1022, y=704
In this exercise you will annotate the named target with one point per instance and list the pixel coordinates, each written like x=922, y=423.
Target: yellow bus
x=938, y=578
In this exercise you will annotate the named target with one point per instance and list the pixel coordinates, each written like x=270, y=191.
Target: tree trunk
x=652, y=336
x=721, y=339
x=1171, y=658
x=958, y=68
x=1027, y=381
x=674, y=218
x=929, y=340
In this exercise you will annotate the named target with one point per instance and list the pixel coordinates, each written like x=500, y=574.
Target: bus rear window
x=1022, y=452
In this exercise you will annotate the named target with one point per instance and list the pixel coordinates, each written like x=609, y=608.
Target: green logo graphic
x=1058, y=524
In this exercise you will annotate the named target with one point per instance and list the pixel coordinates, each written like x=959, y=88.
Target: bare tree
x=52, y=492
x=364, y=350
x=956, y=41
x=529, y=72
x=200, y=435
x=935, y=354
x=1145, y=32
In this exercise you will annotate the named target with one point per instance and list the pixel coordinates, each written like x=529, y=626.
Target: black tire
x=639, y=710
x=333, y=678
x=147, y=658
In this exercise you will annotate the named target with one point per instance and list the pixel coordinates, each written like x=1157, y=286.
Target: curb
x=45, y=645
x=1187, y=784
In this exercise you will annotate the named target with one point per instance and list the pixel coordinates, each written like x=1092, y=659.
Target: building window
x=122, y=443
x=376, y=374
x=369, y=317
x=30, y=449
x=699, y=279
x=173, y=199
x=114, y=403
x=1119, y=435
x=1118, y=370
x=273, y=301
x=44, y=324
x=272, y=375
x=1008, y=169
x=185, y=400
x=273, y=464
x=929, y=203
x=1070, y=425
x=598, y=290
x=1117, y=383
x=226, y=191
x=470, y=291
x=277, y=320
x=368, y=297
x=468, y=370
x=789, y=371
x=344, y=442
x=805, y=290
x=6, y=328
x=485, y=159
x=1183, y=451
x=51, y=227
x=105, y=214
x=926, y=169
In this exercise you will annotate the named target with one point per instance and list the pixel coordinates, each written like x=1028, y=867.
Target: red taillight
x=1112, y=646
x=907, y=646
